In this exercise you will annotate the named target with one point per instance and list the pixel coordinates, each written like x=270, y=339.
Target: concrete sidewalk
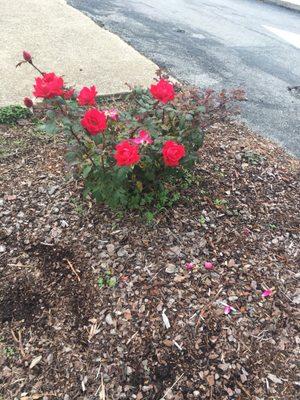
x=65, y=41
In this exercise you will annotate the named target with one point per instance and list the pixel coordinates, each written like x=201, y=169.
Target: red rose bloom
x=27, y=56
x=94, y=121
x=163, y=91
x=28, y=102
x=87, y=96
x=67, y=94
x=48, y=86
x=126, y=153
x=172, y=152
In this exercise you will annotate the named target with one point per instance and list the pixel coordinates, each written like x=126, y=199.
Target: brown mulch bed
x=64, y=337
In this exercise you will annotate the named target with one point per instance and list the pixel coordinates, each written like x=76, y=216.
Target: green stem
x=103, y=149
x=163, y=116
x=35, y=67
x=77, y=138
x=82, y=144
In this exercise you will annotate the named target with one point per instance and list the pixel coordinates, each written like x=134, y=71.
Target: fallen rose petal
x=267, y=293
x=209, y=265
x=189, y=266
x=246, y=231
x=228, y=309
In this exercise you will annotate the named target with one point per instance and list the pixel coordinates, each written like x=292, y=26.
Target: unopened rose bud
x=27, y=56
x=28, y=102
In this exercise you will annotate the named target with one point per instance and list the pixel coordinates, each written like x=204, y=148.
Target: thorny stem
x=163, y=116
x=77, y=138
x=82, y=143
x=35, y=67
x=133, y=131
x=103, y=149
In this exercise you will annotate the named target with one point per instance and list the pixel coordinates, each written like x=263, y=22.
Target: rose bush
x=136, y=156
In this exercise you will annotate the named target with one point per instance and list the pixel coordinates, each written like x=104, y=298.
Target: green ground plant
x=12, y=114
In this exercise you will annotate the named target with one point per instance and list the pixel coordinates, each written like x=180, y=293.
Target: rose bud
x=27, y=56
x=28, y=102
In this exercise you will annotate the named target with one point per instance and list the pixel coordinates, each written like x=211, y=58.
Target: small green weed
x=220, y=202
x=149, y=217
x=202, y=220
x=107, y=280
x=9, y=352
x=252, y=158
x=219, y=172
x=11, y=114
x=119, y=215
x=203, y=192
x=78, y=206
x=273, y=226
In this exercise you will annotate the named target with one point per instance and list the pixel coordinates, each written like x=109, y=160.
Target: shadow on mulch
x=20, y=301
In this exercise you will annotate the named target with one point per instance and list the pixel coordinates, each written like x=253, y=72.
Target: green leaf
x=71, y=156
x=182, y=122
x=201, y=109
x=77, y=128
x=138, y=90
x=122, y=172
x=51, y=114
x=112, y=282
x=66, y=122
x=149, y=216
x=98, y=139
x=100, y=282
x=86, y=170
x=51, y=128
x=73, y=105
x=189, y=117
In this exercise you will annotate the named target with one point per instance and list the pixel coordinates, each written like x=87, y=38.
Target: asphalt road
x=221, y=44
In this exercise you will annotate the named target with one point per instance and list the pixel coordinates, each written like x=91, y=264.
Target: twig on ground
x=244, y=389
x=102, y=395
x=18, y=340
x=132, y=337
x=156, y=274
x=168, y=391
x=94, y=330
x=73, y=269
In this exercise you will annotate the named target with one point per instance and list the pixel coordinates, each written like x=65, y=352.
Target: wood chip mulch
x=159, y=331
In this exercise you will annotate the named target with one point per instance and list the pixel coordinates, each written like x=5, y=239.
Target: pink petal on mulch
x=228, y=309
x=246, y=231
x=267, y=293
x=209, y=265
x=189, y=266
